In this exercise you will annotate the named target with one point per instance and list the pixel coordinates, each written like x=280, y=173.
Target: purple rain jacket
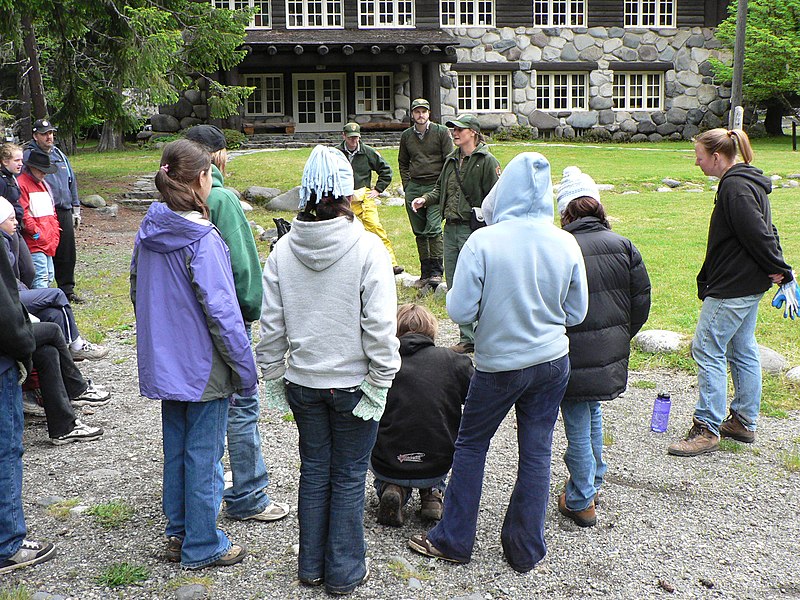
x=191, y=340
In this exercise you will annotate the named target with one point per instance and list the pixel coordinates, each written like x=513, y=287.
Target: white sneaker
x=93, y=396
x=80, y=433
x=29, y=553
x=30, y=404
x=273, y=512
x=89, y=351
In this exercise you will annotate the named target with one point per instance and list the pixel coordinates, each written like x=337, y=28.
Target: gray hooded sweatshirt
x=329, y=300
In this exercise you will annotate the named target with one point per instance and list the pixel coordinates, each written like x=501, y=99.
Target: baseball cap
x=420, y=102
x=43, y=126
x=209, y=136
x=352, y=129
x=466, y=122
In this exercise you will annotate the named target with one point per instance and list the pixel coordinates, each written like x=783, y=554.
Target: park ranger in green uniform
x=469, y=172
x=423, y=149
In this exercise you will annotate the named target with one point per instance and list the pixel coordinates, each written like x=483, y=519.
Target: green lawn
x=668, y=228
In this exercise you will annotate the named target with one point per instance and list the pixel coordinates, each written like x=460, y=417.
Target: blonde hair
x=182, y=162
x=220, y=159
x=726, y=142
x=7, y=151
x=413, y=318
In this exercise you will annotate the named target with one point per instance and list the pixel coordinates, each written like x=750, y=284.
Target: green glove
x=275, y=393
x=372, y=403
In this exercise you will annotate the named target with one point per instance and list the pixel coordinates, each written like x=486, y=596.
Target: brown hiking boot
x=733, y=428
x=390, y=510
x=432, y=503
x=582, y=518
x=698, y=441
x=463, y=348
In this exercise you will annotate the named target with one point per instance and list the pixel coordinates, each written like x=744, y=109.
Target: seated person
x=62, y=385
x=48, y=304
x=418, y=430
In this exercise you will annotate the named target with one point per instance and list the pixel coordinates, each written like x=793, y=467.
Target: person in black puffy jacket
x=418, y=430
x=619, y=304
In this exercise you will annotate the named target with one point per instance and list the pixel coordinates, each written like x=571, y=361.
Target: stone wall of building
x=692, y=101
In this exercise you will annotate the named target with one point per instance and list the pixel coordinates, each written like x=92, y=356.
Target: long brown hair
x=327, y=207
x=726, y=142
x=584, y=207
x=181, y=164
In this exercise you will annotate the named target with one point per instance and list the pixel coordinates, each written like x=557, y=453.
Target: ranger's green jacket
x=366, y=160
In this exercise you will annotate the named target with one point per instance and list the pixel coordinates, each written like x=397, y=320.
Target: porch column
x=415, y=80
x=433, y=90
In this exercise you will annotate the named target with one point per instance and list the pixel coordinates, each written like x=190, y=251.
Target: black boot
x=425, y=273
x=436, y=272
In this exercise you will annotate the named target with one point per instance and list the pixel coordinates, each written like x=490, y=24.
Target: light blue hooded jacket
x=522, y=278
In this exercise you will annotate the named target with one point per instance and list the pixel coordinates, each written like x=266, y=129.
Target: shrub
x=234, y=139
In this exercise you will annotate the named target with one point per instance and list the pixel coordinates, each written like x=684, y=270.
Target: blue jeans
x=536, y=393
x=44, y=270
x=12, y=520
x=726, y=334
x=335, y=448
x=194, y=442
x=583, y=425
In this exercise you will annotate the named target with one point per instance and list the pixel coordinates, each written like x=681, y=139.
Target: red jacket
x=39, y=215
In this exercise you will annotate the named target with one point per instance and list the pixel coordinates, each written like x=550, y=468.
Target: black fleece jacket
x=743, y=247
x=619, y=304
x=16, y=334
x=417, y=433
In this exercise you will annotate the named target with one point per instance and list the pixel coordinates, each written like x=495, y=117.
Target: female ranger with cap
x=469, y=172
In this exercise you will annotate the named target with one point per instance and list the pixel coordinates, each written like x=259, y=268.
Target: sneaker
x=699, y=440
x=432, y=503
x=234, y=555
x=582, y=518
x=390, y=510
x=420, y=543
x=80, y=433
x=30, y=404
x=173, y=550
x=89, y=351
x=397, y=269
x=30, y=553
x=463, y=348
x=93, y=396
x=733, y=428
x=274, y=512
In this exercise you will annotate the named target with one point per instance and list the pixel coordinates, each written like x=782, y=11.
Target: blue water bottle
x=660, y=418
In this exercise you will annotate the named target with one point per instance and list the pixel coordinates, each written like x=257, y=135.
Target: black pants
x=24, y=261
x=59, y=378
x=51, y=305
x=66, y=253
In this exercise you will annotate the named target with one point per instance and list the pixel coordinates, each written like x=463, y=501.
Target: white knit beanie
x=575, y=184
x=6, y=210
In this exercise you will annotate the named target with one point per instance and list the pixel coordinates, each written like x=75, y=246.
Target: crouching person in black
x=418, y=430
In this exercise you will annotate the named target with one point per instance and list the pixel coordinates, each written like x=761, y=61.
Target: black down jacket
x=619, y=303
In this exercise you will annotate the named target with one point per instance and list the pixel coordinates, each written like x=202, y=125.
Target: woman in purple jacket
x=192, y=349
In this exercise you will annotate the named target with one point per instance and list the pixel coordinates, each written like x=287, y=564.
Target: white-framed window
x=267, y=98
x=325, y=14
x=559, y=13
x=261, y=13
x=484, y=92
x=467, y=13
x=385, y=13
x=561, y=91
x=373, y=92
x=638, y=91
x=649, y=13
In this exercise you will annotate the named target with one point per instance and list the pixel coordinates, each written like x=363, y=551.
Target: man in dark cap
x=423, y=149
x=64, y=189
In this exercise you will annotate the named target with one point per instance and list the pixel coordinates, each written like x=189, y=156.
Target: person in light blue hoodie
x=523, y=279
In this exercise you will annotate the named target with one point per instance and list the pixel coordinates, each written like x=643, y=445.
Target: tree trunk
x=38, y=99
x=111, y=137
x=25, y=123
x=773, y=120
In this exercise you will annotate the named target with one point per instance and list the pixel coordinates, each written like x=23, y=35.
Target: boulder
x=673, y=183
x=261, y=195
x=187, y=122
x=234, y=191
x=772, y=362
x=246, y=207
x=582, y=119
x=657, y=340
x=793, y=374
x=542, y=120
x=167, y=123
x=93, y=201
x=287, y=201
x=182, y=108
x=193, y=96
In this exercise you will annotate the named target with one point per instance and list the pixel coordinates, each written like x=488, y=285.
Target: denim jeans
x=335, y=448
x=194, y=442
x=536, y=393
x=43, y=266
x=12, y=520
x=583, y=425
x=726, y=334
x=455, y=236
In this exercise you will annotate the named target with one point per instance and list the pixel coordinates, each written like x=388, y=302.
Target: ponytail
x=727, y=142
x=181, y=164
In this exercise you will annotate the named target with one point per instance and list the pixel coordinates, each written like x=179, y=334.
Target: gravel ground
x=723, y=525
